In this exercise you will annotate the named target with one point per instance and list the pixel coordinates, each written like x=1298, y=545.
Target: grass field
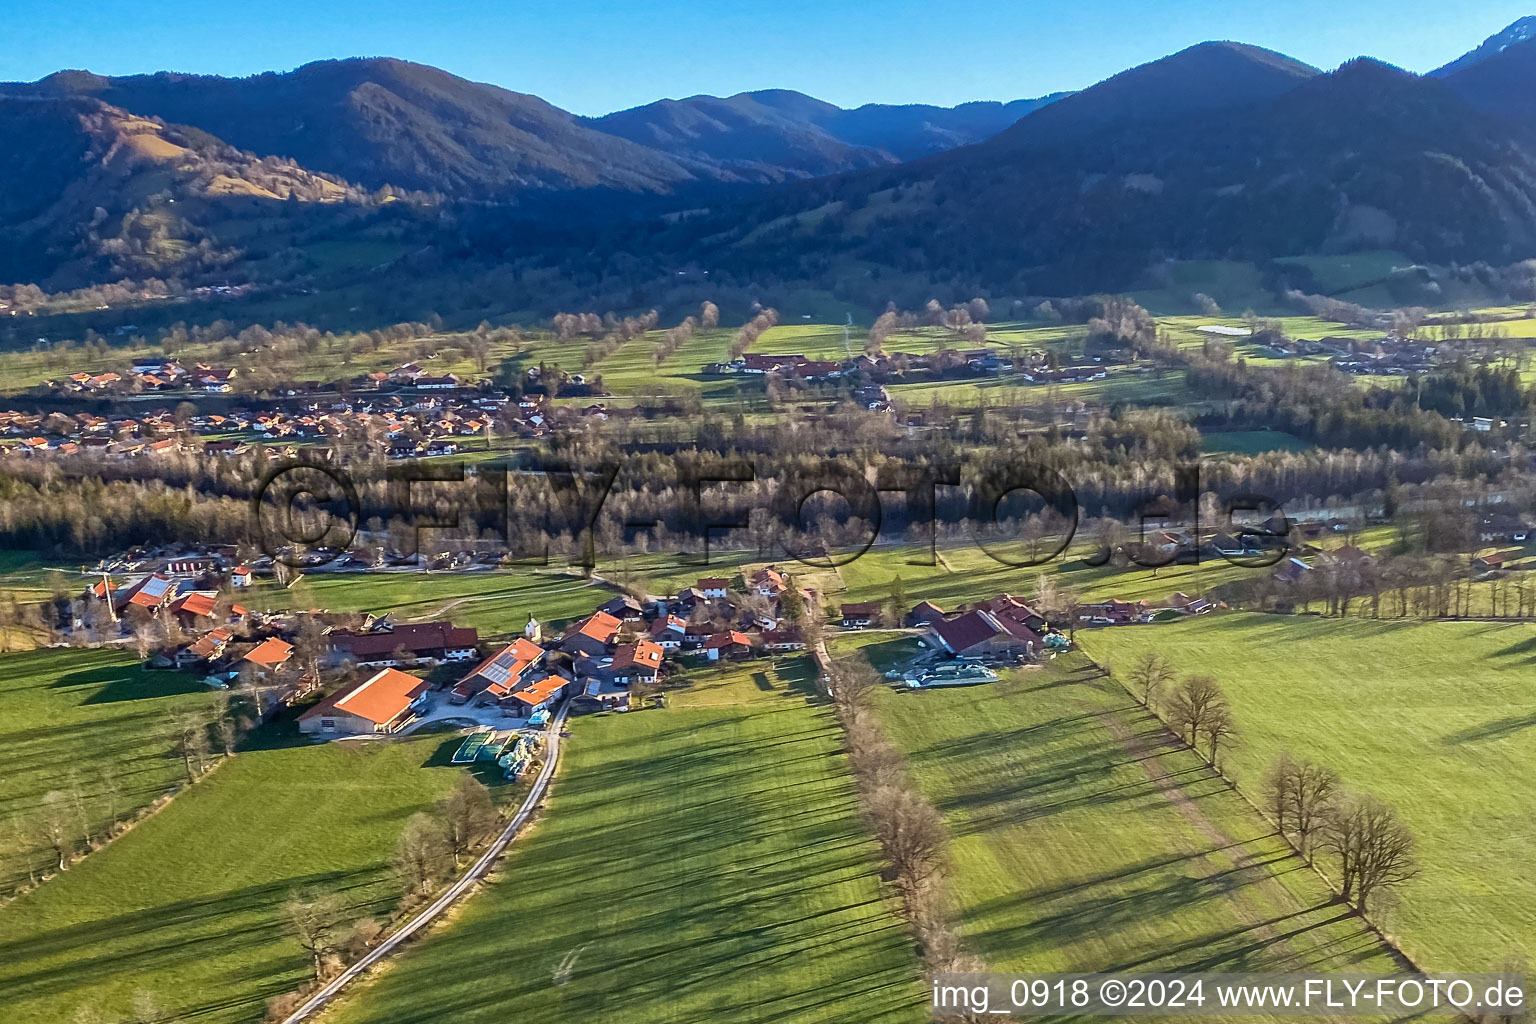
x=1084, y=839
x=68, y=717
x=1438, y=719
x=701, y=863
x=187, y=906
x=493, y=602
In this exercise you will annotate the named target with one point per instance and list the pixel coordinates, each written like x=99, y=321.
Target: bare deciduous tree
x=1149, y=676
x=467, y=814
x=422, y=855
x=1374, y=848
x=315, y=919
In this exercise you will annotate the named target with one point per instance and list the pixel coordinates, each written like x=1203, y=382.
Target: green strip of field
x=67, y=720
x=700, y=863
x=1438, y=719
x=1085, y=839
x=188, y=906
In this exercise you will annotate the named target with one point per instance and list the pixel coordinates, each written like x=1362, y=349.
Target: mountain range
x=1221, y=151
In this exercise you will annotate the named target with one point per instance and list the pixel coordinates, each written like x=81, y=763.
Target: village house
x=269, y=656
x=541, y=695
x=780, y=640
x=591, y=636
x=713, y=589
x=1114, y=613
x=668, y=632
x=636, y=663
x=859, y=616
x=769, y=582
x=729, y=645
x=383, y=703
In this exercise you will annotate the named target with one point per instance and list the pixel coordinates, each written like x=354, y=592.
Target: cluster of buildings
x=152, y=375
x=400, y=426
x=597, y=662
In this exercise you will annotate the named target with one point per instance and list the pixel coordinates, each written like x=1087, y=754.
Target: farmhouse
x=857, y=616
x=730, y=644
x=668, y=632
x=1114, y=613
x=636, y=663
x=981, y=634
x=416, y=642
x=713, y=588
x=501, y=673
x=383, y=703
x=783, y=640
x=270, y=655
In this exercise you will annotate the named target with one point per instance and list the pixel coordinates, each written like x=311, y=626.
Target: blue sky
x=594, y=57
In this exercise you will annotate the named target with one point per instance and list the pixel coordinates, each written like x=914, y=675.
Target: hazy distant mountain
x=777, y=134
x=377, y=121
x=1519, y=32
x=908, y=131
x=768, y=136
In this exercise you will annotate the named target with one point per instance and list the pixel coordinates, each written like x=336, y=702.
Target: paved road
x=322, y=998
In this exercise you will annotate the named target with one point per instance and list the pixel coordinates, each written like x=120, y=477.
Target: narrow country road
x=435, y=909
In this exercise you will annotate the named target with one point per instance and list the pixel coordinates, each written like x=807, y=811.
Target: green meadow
x=1084, y=838
x=72, y=720
x=1438, y=719
x=187, y=906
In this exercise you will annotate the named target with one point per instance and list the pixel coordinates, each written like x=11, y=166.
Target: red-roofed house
x=500, y=674
x=537, y=696
x=980, y=633
x=383, y=703
x=636, y=663
x=270, y=655
x=713, y=588
x=196, y=608
x=668, y=632
x=857, y=616
x=730, y=644
x=147, y=594
x=591, y=636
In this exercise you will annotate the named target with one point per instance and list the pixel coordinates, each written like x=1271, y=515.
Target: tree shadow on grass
x=1495, y=730
x=118, y=684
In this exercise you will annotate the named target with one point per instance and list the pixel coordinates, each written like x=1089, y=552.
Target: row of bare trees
x=1373, y=851
x=1196, y=709
x=908, y=828
x=749, y=332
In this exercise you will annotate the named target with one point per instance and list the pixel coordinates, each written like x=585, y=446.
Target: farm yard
x=185, y=910
x=1085, y=839
x=701, y=862
x=1438, y=719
